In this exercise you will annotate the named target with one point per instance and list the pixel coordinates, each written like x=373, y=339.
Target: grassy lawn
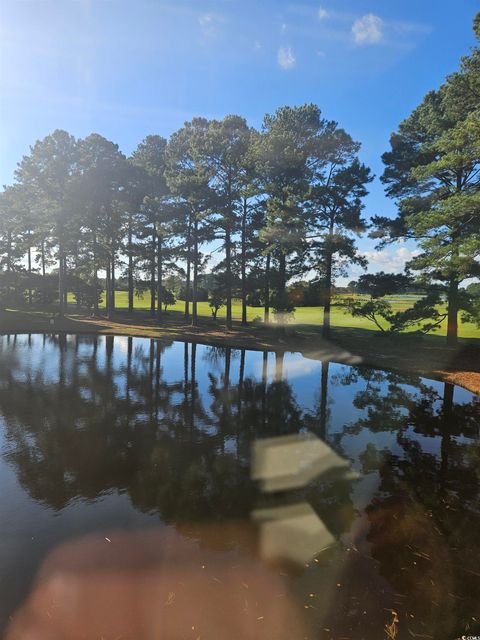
x=312, y=316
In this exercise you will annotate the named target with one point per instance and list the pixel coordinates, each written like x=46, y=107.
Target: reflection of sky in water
x=41, y=359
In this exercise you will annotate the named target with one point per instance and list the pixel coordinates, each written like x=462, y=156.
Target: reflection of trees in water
x=75, y=435
x=317, y=420
x=386, y=398
x=105, y=422
x=108, y=421
x=428, y=509
x=425, y=515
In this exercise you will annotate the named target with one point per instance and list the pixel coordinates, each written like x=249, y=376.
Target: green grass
x=312, y=316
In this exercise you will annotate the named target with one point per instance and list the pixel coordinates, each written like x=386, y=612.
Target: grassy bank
x=311, y=316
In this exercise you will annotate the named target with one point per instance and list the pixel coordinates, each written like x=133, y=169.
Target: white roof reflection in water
x=291, y=462
x=294, y=533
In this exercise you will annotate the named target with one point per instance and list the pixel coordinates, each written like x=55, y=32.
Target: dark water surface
x=357, y=489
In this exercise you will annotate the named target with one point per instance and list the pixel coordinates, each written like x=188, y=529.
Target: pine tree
x=433, y=170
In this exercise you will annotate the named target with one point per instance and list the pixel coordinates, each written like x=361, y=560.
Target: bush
x=11, y=290
x=86, y=294
x=45, y=290
x=305, y=294
x=168, y=298
x=255, y=298
x=282, y=303
x=216, y=301
x=202, y=294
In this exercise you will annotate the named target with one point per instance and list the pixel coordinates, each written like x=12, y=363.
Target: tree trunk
x=61, y=286
x=159, y=276
x=65, y=285
x=228, y=273
x=77, y=283
x=113, y=285
x=95, y=273
x=244, y=260
x=108, y=285
x=131, y=292
x=266, y=315
x=153, y=289
x=30, y=300
x=452, y=321
x=187, y=283
x=195, y=274
x=282, y=273
x=328, y=297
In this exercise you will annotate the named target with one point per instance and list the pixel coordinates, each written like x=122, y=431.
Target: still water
x=220, y=493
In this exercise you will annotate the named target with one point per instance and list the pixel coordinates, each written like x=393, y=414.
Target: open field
x=303, y=315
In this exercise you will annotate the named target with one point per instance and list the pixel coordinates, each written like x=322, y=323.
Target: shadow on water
x=354, y=490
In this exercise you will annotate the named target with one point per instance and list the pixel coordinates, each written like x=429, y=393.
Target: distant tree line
x=273, y=207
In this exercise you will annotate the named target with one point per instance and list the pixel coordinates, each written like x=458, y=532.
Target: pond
x=277, y=495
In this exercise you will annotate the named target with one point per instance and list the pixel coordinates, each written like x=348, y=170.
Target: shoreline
x=428, y=357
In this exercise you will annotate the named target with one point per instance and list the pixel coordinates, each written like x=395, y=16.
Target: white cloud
x=205, y=20
x=322, y=13
x=208, y=25
x=286, y=58
x=283, y=28
x=389, y=260
x=368, y=29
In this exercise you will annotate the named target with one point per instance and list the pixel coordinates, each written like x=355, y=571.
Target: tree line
x=280, y=203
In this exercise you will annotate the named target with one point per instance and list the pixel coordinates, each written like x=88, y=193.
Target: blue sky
x=126, y=69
